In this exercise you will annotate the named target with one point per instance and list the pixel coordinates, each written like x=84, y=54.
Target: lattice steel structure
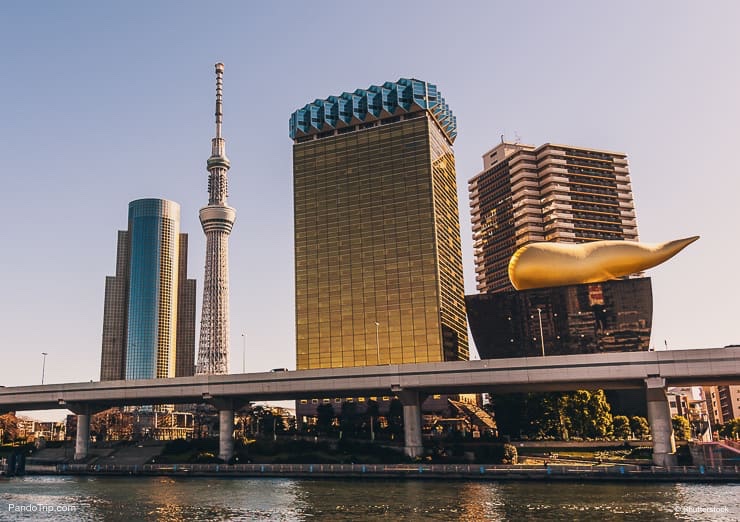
x=217, y=219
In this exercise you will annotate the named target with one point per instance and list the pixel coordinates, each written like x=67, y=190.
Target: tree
x=586, y=414
x=730, y=429
x=545, y=415
x=576, y=409
x=8, y=428
x=370, y=419
x=99, y=425
x=553, y=415
x=511, y=455
x=621, y=427
x=681, y=427
x=324, y=418
x=395, y=417
x=640, y=427
x=510, y=412
x=349, y=419
x=269, y=424
x=600, y=415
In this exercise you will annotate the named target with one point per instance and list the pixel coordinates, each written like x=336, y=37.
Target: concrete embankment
x=409, y=471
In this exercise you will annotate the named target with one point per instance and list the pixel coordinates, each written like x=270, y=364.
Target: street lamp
x=43, y=367
x=377, y=341
x=542, y=338
x=244, y=353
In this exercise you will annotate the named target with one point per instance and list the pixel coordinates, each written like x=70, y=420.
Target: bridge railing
x=406, y=470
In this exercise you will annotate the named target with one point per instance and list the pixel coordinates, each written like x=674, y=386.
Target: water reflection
x=205, y=499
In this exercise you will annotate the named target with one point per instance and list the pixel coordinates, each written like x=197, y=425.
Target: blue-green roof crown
x=371, y=104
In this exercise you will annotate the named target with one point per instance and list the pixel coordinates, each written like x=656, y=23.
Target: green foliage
x=177, y=446
x=510, y=411
x=621, y=427
x=681, y=427
x=640, y=427
x=395, y=417
x=511, y=455
x=493, y=454
x=588, y=414
x=730, y=429
x=545, y=416
x=8, y=428
x=324, y=418
x=349, y=419
x=371, y=419
x=580, y=414
x=683, y=455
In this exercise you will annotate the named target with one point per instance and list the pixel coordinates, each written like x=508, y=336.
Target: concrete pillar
x=659, y=418
x=225, y=434
x=412, y=444
x=82, y=443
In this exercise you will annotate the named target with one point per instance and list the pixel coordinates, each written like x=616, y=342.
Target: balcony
x=553, y=169
x=524, y=175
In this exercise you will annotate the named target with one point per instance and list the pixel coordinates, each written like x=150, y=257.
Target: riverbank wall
x=554, y=472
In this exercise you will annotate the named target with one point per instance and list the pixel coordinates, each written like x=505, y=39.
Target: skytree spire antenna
x=219, y=97
x=217, y=219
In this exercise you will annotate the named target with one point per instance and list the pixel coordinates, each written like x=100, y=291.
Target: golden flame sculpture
x=540, y=265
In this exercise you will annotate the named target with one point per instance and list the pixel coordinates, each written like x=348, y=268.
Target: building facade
x=564, y=194
x=149, y=310
x=378, y=263
x=691, y=403
x=552, y=192
x=729, y=399
x=612, y=316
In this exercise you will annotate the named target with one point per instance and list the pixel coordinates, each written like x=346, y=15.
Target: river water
x=210, y=499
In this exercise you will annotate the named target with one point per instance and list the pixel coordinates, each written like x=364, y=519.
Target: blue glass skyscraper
x=149, y=319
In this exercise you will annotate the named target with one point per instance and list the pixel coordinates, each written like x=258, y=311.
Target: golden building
x=378, y=264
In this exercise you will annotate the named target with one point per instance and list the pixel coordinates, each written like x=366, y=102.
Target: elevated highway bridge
x=652, y=371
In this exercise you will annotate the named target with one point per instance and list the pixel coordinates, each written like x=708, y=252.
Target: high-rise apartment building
x=378, y=264
x=149, y=311
x=729, y=398
x=548, y=193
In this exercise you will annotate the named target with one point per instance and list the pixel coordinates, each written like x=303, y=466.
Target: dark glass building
x=612, y=316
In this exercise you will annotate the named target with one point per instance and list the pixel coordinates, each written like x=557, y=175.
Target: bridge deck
x=566, y=372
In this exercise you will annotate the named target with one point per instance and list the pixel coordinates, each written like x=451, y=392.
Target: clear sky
x=102, y=103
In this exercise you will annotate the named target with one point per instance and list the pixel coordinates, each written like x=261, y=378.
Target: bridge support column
x=412, y=443
x=661, y=427
x=225, y=434
x=226, y=407
x=82, y=441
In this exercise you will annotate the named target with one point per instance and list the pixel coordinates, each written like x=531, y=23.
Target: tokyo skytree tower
x=217, y=219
